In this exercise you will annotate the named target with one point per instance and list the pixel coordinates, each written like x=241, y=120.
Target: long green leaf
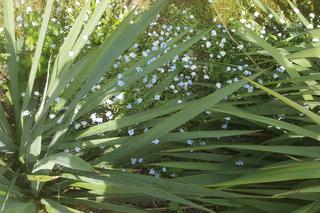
x=307, y=151
x=313, y=116
x=285, y=172
x=9, y=26
x=64, y=159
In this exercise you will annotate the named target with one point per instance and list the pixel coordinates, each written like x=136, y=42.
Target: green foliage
x=32, y=150
x=126, y=117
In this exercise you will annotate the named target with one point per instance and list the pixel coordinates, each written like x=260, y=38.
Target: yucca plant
x=47, y=165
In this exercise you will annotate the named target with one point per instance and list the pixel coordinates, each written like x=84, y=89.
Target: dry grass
x=227, y=9
x=37, y=5
x=139, y=3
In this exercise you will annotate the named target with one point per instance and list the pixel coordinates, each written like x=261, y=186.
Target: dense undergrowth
x=169, y=107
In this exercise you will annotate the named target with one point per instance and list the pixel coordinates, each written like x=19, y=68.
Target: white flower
x=222, y=53
x=120, y=97
x=36, y=93
x=157, y=97
x=131, y=132
x=154, y=79
x=189, y=142
x=132, y=55
x=135, y=46
x=256, y=14
x=239, y=163
x=69, y=10
x=163, y=45
x=155, y=141
x=120, y=83
x=26, y=113
x=164, y=169
x=247, y=73
x=206, y=77
x=240, y=46
x=77, y=149
x=151, y=60
x=179, y=101
x=109, y=115
x=77, y=126
x=119, y=76
x=139, y=69
x=312, y=15
x=145, y=80
x=138, y=101
x=52, y=116
x=208, y=44
x=315, y=40
x=108, y=102
x=193, y=67
x=129, y=106
x=218, y=85
x=95, y=118
x=133, y=161
x=310, y=26
x=296, y=10
x=270, y=16
x=28, y=10
x=208, y=112
x=23, y=94
x=144, y=53
x=152, y=171
x=60, y=120
x=214, y=33
x=202, y=143
x=84, y=123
